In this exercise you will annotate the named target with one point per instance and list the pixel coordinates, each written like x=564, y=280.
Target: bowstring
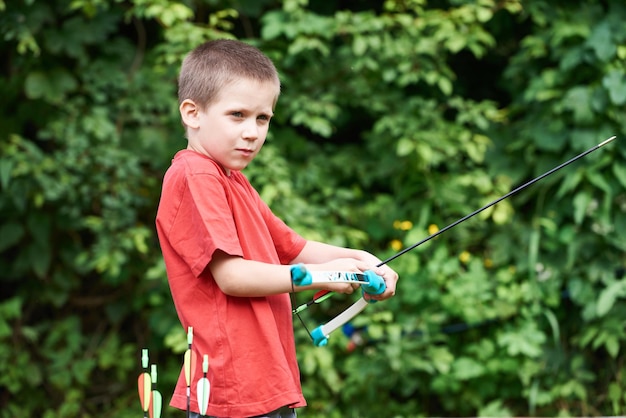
x=297, y=312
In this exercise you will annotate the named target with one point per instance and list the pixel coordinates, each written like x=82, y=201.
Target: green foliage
x=396, y=119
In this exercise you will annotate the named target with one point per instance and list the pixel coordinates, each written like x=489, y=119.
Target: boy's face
x=233, y=128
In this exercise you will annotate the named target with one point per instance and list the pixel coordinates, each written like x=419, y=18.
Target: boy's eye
x=239, y=115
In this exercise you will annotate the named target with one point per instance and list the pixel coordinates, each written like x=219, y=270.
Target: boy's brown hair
x=214, y=64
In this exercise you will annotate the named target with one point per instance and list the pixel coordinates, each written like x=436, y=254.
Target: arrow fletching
x=204, y=388
x=144, y=386
x=156, y=407
x=187, y=366
x=189, y=358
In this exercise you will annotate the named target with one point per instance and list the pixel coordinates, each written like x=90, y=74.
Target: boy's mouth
x=245, y=151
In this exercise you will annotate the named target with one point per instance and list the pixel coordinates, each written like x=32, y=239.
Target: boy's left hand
x=387, y=273
x=390, y=277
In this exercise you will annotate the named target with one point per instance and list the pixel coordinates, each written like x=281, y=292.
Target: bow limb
x=320, y=334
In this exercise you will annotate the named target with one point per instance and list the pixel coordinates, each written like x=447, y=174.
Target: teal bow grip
x=319, y=339
x=300, y=276
x=376, y=284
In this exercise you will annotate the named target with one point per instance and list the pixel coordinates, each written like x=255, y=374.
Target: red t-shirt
x=249, y=341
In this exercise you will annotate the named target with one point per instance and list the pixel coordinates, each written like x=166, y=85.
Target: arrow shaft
x=498, y=200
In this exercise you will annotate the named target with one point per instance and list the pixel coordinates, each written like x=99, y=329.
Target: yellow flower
x=396, y=245
x=433, y=229
x=406, y=225
x=464, y=257
x=402, y=225
x=488, y=263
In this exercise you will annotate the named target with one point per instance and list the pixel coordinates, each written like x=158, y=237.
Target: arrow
x=204, y=387
x=319, y=297
x=189, y=366
x=144, y=384
x=157, y=400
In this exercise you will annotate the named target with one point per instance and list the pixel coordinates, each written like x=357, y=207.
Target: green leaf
x=569, y=183
x=11, y=308
x=581, y=203
x=272, y=24
x=445, y=85
x=601, y=40
x=554, y=325
x=51, y=86
x=578, y=100
x=36, y=85
x=405, y=147
x=612, y=345
x=527, y=340
x=572, y=58
x=441, y=358
x=615, y=395
x=598, y=180
x=10, y=234
x=615, y=84
x=609, y=296
x=620, y=173
x=40, y=258
x=6, y=167
x=466, y=368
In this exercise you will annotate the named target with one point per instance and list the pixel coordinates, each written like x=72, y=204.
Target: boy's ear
x=189, y=113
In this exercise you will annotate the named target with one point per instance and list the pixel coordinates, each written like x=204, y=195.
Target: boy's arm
x=237, y=276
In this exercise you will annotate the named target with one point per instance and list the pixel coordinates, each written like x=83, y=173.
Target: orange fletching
x=144, y=384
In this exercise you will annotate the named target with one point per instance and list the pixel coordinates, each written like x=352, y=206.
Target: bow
x=374, y=284
x=370, y=283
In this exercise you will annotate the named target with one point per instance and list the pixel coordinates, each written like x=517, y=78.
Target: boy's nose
x=250, y=131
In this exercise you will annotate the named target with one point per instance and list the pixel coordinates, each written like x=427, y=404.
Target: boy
x=227, y=255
